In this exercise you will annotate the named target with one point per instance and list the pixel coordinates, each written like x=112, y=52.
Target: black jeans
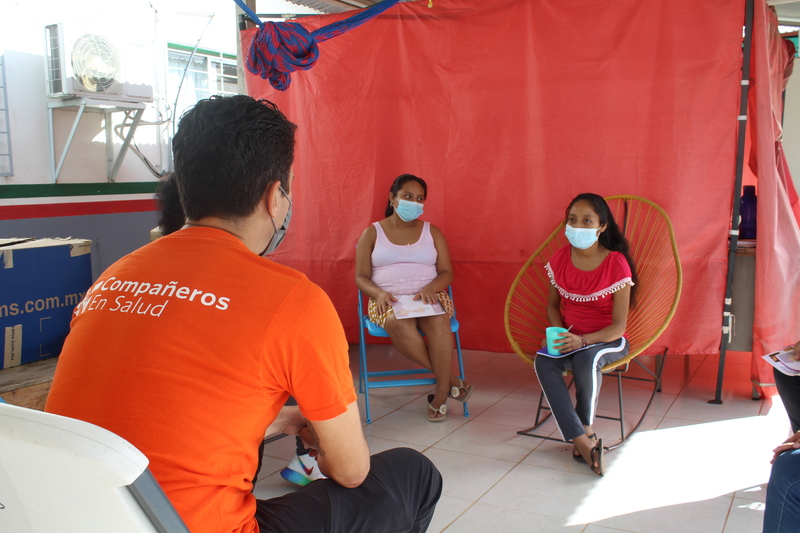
x=399, y=495
x=789, y=389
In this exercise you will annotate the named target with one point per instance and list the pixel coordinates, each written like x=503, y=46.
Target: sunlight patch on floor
x=685, y=464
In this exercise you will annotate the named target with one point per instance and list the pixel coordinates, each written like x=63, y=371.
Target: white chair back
x=58, y=474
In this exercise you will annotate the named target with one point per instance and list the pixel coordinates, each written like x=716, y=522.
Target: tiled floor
x=692, y=466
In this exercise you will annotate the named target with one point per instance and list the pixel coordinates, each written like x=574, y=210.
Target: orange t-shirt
x=188, y=348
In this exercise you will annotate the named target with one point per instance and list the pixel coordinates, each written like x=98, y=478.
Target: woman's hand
x=384, y=300
x=792, y=443
x=796, y=353
x=569, y=342
x=427, y=295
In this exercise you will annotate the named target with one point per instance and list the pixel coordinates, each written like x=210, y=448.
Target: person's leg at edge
x=586, y=367
x=410, y=343
x=789, y=390
x=782, y=511
x=408, y=340
x=549, y=371
x=440, y=351
x=399, y=494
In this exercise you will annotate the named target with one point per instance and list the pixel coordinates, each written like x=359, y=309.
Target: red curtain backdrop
x=776, y=320
x=508, y=109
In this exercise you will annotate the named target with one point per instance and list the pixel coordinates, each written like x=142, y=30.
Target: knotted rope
x=280, y=48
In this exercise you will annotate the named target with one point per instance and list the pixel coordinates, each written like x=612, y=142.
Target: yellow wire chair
x=649, y=231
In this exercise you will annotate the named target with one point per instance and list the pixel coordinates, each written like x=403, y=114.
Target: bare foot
x=592, y=436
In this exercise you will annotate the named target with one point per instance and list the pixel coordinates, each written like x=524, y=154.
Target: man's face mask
x=277, y=237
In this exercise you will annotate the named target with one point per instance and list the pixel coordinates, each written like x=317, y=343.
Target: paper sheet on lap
x=406, y=307
x=543, y=351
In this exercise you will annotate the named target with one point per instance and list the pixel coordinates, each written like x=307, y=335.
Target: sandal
x=456, y=394
x=601, y=470
x=441, y=410
x=579, y=457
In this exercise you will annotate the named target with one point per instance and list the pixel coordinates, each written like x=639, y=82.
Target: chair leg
x=656, y=381
x=362, y=359
x=529, y=432
x=363, y=379
x=461, y=367
x=659, y=368
x=621, y=408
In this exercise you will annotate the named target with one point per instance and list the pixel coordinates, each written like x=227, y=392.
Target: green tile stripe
x=203, y=51
x=76, y=189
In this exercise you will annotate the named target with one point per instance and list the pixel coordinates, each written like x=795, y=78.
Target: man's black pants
x=399, y=495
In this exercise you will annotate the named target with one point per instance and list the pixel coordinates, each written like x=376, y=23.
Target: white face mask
x=408, y=211
x=581, y=238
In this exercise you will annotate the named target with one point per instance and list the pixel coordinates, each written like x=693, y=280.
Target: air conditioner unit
x=89, y=65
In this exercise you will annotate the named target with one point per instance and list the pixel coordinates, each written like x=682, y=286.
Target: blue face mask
x=277, y=237
x=581, y=238
x=408, y=211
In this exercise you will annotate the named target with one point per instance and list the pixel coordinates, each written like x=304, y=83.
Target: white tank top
x=403, y=269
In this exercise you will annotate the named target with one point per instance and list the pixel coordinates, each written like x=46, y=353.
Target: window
x=208, y=73
x=6, y=164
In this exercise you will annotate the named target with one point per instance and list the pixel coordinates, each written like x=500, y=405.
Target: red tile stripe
x=18, y=212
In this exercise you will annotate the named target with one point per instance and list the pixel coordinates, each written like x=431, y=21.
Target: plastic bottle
x=747, y=209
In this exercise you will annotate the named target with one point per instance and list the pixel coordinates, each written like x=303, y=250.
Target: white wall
x=791, y=125
x=143, y=27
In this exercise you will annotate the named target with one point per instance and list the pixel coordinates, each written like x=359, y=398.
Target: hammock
x=280, y=48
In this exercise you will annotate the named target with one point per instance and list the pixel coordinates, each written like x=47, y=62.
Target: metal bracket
x=89, y=105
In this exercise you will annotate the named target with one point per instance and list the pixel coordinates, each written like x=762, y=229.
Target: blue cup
x=553, y=339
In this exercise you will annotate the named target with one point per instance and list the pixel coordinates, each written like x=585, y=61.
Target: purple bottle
x=747, y=209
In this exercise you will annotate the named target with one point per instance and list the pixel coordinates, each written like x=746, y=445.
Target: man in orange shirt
x=190, y=346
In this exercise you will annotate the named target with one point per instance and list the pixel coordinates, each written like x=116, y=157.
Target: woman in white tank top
x=402, y=255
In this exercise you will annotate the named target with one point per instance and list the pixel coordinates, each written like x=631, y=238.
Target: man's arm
x=289, y=420
x=343, y=454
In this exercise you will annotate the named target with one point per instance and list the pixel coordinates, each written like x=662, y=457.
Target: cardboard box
x=41, y=282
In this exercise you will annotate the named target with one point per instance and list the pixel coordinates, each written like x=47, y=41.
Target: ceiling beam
x=338, y=4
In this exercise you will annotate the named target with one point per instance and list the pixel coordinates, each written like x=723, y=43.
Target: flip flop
x=441, y=410
x=579, y=458
x=455, y=392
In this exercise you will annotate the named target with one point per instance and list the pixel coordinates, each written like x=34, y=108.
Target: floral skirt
x=380, y=319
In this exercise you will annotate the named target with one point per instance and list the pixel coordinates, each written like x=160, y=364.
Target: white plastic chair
x=58, y=474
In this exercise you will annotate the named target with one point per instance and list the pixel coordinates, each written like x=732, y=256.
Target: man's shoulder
x=218, y=261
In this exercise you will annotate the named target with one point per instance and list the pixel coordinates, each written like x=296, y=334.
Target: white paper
x=406, y=307
x=782, y=360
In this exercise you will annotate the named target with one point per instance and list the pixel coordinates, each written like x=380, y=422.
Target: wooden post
x=243, y=22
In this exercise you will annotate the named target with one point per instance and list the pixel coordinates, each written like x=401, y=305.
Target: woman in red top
x=593, y=283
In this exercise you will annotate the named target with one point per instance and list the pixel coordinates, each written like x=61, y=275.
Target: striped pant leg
x=586, y=366
x=550, y=370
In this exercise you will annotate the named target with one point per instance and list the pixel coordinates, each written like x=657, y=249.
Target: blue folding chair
x=364, y=375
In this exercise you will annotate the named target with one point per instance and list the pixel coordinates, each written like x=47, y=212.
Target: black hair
x=169, y=202
x=398, y=183
x=227, y=151
x=612, y=238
